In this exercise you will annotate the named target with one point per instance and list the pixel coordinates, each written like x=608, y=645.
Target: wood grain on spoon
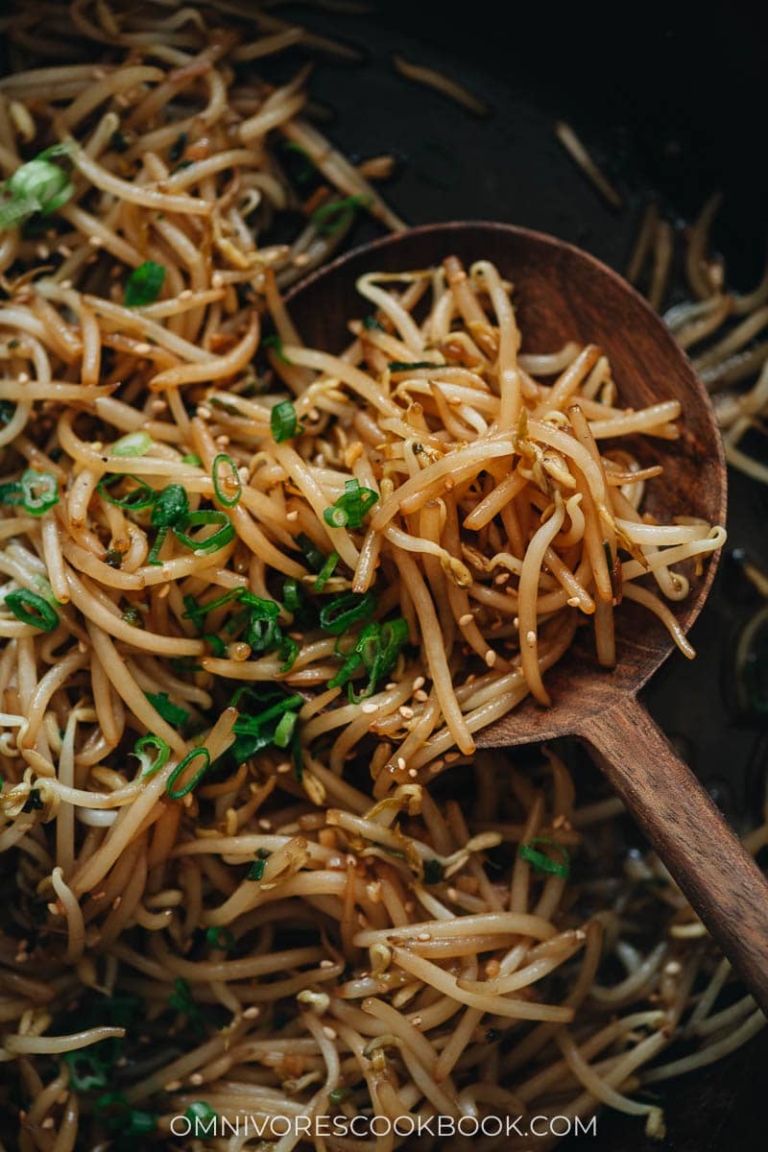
x=563, y=294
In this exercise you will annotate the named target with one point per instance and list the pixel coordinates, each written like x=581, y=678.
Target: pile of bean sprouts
x=256, y=599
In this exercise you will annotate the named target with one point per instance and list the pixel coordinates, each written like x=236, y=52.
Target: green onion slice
x=283, y=421
x=152, y=752
x=170, y=712
x=221, y=938
x=32, y=609
x=347, y=610
x=134, y=444
x=219, y=539
x=326, y=571
x=144, y=284
x=142, y=496
x=199, y=1110
x=540, y=862
x=226, y=480
x=351, y=508
x=329, y=218
x=180, y=770
x=171, y=507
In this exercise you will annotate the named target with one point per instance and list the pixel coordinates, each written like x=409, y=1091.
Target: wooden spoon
x=564, y=294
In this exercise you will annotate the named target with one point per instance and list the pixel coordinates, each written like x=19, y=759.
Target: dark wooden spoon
x=564, y=294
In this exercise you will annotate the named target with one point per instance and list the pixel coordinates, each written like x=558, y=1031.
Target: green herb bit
x=204, y=546
x=119, y=142
x=114, y=1111
x=171, y=507
x=170, y=712
x=339, y=1095
x=180, y=770
x=276, y=343
x=432, y=871
x=226, y=480
x=256, y=871
x=311, y=553
x=410, y=366
x=337, y=214
x=36, y=491
x=32, y=609
x=86, y=1070
x=144, y=284
x=152, y=752
x=191, y=458
x=540, y=862
x=202, y=1117
x=7, y=410
x=371, y=324
x=326, y=571
x=283, y=421
x=379, y=647
x=222, y=938
x=350, y=509
x=134, y=444
x=37, y=186
x=347, y=610
x=136, y=499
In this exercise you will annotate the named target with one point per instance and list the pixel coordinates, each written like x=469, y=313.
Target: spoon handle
x=722, y=882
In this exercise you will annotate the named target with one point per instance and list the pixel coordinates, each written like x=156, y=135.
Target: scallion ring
x=181, y=768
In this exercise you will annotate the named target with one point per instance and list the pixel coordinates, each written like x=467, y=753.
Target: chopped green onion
x=134, y=444
x=329, y=218
x=170, y=712
x=32, y=609
x=135, y=500
x=221, y=938
x=36, y=491
x=312, y=554
x=351, y=508
x=284, y=730
x=253, y=733
x=171, y=507
x=152, y=752
x=40, y=491
x=283, y=421
x=410, y=365
x=191, y=458
x=379, y=647
x=200, y=1111
x=86, y=1070
x=432, y=871
x=347, y=610
x=256, y=871
x=543, y=863
x=262, y=633
x=326, y=571
x=114, y=1111
x=198, y=612
x=228, y=488
x=144, y=284
x=224, y=535
x=7, y=410
x=293, y=595
x=196, y=754
x=339, y=1095
x=276, y=343
x=37, y=186
x=371, y=324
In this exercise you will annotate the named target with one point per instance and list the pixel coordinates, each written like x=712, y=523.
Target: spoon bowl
x=561, y=294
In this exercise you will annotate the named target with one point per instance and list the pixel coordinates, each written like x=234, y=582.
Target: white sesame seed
x=142, y=349
x=530, y=638
x=418, y=683
x=573, y=601
x=490, y=658
x=467, y=618
x=369, y=708
x=400, y=763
